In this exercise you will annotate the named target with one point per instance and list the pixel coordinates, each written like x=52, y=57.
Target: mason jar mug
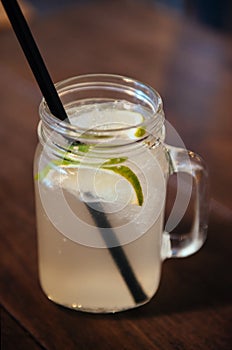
x=100, y=187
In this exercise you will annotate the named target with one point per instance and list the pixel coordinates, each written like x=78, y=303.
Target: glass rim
x=133, y=86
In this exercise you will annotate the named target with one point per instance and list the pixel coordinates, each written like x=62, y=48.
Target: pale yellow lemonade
x=82, y=274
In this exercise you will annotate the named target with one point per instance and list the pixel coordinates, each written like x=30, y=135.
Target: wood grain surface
x=191, y=67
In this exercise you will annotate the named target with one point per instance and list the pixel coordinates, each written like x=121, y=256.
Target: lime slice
x=130, y=176
x=104, y=183
x=66, y=161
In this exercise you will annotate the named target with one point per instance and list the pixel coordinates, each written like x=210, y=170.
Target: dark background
x=216, y=14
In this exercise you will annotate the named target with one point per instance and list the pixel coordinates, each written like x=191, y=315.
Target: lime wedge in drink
x=104, y=182
x=130, y=176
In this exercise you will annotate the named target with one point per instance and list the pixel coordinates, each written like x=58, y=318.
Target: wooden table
x=192, y=69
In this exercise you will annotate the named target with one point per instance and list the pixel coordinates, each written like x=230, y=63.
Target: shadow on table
x=200, y=281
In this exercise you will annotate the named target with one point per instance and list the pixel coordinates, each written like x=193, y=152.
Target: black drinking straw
x=54, y=103
x=34, y=58
x=117, y=253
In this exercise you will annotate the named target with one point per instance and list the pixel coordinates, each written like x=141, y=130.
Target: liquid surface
x=107, y=115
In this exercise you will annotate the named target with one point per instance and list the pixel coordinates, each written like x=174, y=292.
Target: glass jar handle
x=182, y=245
